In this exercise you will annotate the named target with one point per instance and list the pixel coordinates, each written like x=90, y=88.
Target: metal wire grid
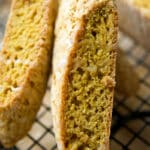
x=132, y=114
x=131, y=127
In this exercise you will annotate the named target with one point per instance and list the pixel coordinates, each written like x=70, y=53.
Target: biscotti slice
x=24, y=66
x=83, y=78
x=127, y=80
x=134, y=19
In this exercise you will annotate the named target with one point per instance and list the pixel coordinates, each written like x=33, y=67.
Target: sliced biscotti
x=83, y=78
x=24, y=66
x=134, y=19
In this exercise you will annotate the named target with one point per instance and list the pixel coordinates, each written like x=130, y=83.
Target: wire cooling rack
x=131, y=121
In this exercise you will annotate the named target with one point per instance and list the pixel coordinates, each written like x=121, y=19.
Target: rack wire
x=131, y=115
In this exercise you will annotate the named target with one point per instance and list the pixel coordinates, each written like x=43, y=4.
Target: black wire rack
x=131, y=115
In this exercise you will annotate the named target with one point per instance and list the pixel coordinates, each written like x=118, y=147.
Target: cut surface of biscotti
x=24, y=66
x=134, y=19
x=84, y=74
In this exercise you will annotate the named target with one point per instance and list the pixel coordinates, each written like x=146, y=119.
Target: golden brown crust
x=66, y=80
x=18, y=114
x=60, y=73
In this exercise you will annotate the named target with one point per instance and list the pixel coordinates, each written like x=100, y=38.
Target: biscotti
x=127, y=80
x=83, y=77
x=134, y=19
x=24, y=66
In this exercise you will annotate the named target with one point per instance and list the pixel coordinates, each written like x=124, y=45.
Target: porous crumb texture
x=142, y=3
x=24, y=65
x=20, y=46
x=91, y=83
